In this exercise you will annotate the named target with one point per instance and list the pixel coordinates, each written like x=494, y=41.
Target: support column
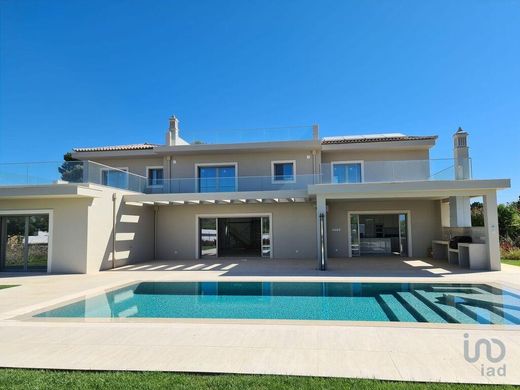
x=491, y=225
x=321, y=231
x=460, y=211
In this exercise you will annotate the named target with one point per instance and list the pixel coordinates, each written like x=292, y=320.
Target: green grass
x=511, y=262
x=50, y=379
x=7, y=286
x=510, y=256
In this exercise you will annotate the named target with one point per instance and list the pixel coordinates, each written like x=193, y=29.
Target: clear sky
x=100, y=72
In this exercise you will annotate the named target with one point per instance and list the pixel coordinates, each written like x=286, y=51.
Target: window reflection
x=346, y=173
x=217, y=179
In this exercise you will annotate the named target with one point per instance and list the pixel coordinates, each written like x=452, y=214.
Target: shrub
x=512, y=254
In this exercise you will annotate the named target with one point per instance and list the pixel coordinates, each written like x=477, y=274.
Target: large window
x=347, y=172
x=115, y=177
x=217, y=178
x=283, y=171
x=155, y=176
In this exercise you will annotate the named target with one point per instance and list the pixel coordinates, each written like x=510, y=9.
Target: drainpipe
x=314, y=166
x=323, y=264
x=114, y=198
x=155, y=214
x=169, y=163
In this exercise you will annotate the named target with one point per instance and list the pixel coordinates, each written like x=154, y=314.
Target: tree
x=71, y=170
x=477, y=214
x=516, y=204
x=509, y=221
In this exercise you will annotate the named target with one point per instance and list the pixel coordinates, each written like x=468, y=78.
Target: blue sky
x=84, y=73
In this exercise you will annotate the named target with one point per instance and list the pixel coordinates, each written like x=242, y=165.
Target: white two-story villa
x=316, y=198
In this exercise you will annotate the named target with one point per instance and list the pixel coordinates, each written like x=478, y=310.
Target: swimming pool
x=402, y=302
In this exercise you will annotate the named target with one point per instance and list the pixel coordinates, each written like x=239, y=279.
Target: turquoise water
x=405, y=302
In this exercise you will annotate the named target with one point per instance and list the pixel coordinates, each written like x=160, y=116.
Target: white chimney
x=460, y=210
x=172, y=135
x=461, y=155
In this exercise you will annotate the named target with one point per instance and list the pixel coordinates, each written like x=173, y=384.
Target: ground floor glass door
x=208, y=237
x=235, y=236
x=403, y=234
x=354, y=235
x=24, y=243
x=373, y=234
x=239, y=237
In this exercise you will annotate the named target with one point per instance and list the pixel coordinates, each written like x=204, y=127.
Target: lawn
x=511, y=262
x=49, y=379
x=6, y=286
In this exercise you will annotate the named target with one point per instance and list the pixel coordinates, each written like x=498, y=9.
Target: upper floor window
x=155, y=176
x=283, y=171
x=217, y=178
x=117, y=177
x=347, y=172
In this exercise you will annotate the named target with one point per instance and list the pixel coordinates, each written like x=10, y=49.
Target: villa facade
x=317, y=198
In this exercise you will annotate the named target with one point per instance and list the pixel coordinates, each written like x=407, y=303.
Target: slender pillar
x=491, y=225
x=167, y=174
x=321, y=232
x=114, y=224
x=155, y=220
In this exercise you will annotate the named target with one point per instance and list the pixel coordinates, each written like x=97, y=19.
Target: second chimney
x=173, y=131
x=461, y=155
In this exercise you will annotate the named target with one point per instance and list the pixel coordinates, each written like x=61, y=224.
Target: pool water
x=403, y=302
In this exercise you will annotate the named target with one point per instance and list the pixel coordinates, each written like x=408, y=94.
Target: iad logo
x=495, y=352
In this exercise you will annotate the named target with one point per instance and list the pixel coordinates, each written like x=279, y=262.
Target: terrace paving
x=397, y=351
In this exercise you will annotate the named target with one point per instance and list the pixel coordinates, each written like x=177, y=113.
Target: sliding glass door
x=373, y=234
x=13, y=243
x=208, y=237
x=354, y=235
x=235, y=236
x=403, y=234
x=24, y=243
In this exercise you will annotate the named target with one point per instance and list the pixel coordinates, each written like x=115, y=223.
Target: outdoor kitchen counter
x=469, y=255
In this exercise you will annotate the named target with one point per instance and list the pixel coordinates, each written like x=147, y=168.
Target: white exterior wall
x=425, y=220
x=134, y=233
x=69, y=230
x=293, y=228
x=81, y=239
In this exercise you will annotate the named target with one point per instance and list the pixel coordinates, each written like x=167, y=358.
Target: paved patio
x=399, y=351
x=336, y=267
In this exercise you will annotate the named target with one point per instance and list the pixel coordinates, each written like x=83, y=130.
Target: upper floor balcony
x=217, y=179
x=392, y=171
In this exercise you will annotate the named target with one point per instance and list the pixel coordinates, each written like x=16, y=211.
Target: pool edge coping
x=28, y=317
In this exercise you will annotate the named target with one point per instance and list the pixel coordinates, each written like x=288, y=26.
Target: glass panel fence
x=394, y=171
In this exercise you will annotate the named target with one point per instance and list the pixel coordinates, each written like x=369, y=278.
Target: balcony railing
x=234, y=184
x=49, y=172
x=349, y=172
x=394, y=171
